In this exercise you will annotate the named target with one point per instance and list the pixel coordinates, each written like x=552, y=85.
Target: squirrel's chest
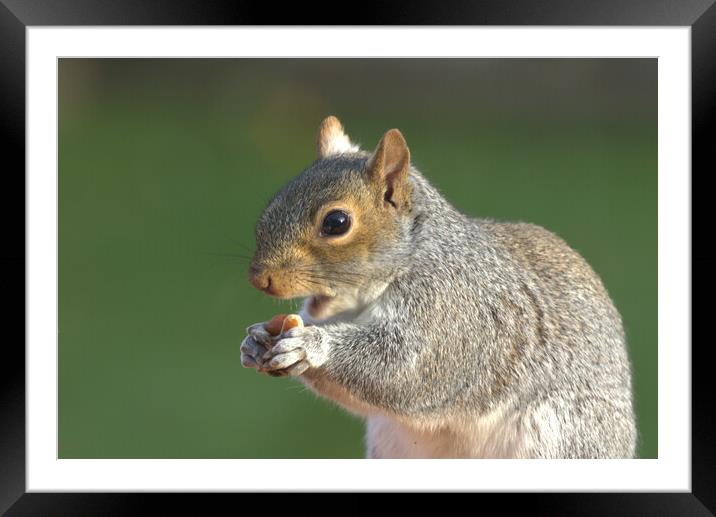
x=492, y=436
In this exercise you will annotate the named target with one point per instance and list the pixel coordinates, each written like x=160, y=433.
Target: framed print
x=181, y=162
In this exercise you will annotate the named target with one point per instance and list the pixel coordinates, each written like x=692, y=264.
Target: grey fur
x=477, y=315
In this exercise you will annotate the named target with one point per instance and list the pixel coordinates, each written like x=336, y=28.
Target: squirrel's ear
x=332, y=139
x=389, y=167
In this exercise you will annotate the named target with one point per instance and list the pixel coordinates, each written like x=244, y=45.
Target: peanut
x=274, y=325
x=291, y=321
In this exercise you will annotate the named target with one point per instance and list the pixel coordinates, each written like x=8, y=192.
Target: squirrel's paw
x=295, y=352
x=254, y=346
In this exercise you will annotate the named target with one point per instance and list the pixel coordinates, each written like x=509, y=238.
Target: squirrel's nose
x=259, y=278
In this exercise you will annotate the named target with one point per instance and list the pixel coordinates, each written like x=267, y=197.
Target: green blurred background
x=165, y=165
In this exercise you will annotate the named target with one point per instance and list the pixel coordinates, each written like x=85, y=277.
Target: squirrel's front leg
x=355, y=365
x=296, y=351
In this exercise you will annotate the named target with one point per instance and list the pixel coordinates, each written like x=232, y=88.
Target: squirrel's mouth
x=317, y=305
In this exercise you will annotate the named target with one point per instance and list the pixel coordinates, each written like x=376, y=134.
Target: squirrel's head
x=328, y=234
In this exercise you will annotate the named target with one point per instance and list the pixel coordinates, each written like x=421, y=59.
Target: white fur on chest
x=491, y=436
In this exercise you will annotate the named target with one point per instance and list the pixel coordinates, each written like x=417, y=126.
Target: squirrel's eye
x=336, y=222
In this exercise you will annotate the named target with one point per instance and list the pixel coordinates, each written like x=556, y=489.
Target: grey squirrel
x=453, y=337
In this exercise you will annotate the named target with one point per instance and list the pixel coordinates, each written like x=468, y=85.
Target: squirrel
x=453, y=337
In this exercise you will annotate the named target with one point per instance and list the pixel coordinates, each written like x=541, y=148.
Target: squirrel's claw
x=260, y=334
x=282, y=361
x=285, y=357
x=299, y=350
x=251, y=353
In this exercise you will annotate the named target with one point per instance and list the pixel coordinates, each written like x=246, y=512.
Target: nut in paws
x=296, y=351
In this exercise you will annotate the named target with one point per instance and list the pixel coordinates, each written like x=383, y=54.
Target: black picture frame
x=17, y=15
